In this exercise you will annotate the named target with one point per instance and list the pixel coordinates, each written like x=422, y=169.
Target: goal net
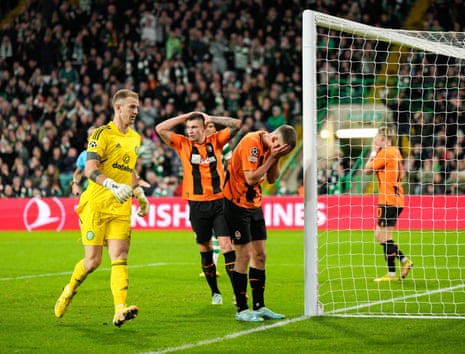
x=357, y=78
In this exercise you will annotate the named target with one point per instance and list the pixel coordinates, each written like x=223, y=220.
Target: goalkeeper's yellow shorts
x=98, y=227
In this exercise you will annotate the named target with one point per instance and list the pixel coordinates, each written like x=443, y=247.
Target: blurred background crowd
x=61, y=61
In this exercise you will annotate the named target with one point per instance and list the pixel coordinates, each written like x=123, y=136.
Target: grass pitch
x=175, y=311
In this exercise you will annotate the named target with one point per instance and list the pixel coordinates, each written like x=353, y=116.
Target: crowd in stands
x=61, y=62
x=427, y=105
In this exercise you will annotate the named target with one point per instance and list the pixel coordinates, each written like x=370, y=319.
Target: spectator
x=68, y=75
x=75, y=46
x=276, y=119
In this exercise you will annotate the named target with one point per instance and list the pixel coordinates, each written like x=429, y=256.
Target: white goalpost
x=357, y=78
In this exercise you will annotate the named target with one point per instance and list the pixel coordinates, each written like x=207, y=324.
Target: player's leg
x=216, y=251
x=92, y=239
x=257, y=274
x=209, y=270
x=383, y=235
x=118, y=241
x=201, y=216
x=238, y=222
x=406, y=263
x=224, y=239
x=388, y=216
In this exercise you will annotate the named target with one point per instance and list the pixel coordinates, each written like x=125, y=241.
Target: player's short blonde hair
x=122, y=94
x=388, y=132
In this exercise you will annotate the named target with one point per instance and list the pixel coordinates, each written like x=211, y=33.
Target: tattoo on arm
x=233, y=131
x=94, y=175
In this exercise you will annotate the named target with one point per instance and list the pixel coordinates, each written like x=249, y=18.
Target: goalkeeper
x=105, y=207
x=386, y=161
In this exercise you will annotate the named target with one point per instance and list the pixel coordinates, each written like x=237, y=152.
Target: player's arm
x=370, y=165
x=369, y=169
x=233, y=124
x=257, y=176
x=273, y=172
x=92, y=170
x=122, y=192
x=270, y=167
x=75, y=183
x=139, y=193
x=164, y=129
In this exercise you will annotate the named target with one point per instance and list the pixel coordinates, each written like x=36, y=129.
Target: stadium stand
x=60, y=62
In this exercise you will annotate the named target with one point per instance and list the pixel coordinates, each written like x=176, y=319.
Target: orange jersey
x=202, y=167
x=248, y=155
x=390, y=171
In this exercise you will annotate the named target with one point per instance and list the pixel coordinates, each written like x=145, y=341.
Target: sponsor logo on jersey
x=196, y=160
x=122, y=167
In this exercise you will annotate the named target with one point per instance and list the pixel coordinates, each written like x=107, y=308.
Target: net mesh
x=414, y=81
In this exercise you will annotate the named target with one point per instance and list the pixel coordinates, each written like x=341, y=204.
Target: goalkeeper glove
x=122, y=192
x=142, y=200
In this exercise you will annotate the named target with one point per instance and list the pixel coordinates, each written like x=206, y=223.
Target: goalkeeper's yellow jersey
x=118, y=155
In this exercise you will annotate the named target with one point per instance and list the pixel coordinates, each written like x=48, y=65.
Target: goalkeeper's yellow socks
x=119, y=282
x=78, y=276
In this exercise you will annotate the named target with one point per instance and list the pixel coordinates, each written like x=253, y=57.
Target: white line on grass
x=229, y=336
x=99, y=269
x=297, y=319
x=402, y=298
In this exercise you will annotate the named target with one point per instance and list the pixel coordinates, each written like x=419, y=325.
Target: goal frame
x=311, y=21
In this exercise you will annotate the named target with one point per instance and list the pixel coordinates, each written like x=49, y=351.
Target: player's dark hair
x=289, y=135
x=196, y=116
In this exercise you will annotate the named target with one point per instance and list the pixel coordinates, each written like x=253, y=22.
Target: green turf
x=175, y=311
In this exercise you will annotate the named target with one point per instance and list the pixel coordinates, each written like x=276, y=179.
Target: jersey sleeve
x=97, y=143
x=250, y=151
x=176, y=141
x=224, y=135
x=81, y=160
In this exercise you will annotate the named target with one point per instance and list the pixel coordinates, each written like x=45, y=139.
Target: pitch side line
x=44, y=275
x=229, y=336
x=298, y=319
x=401, y=298
x=21, y=277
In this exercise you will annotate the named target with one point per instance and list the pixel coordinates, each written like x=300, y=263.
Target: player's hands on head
x=122, y=192
x=278, y=151
x=142, y=200
x=375, y=145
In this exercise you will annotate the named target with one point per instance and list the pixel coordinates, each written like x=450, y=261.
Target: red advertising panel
x=334, y=213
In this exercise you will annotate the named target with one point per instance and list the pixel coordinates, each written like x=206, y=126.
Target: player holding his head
x=210, y=128
x=105, y=207
x=203, y=177
x=385, y=161
x=255, y=158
